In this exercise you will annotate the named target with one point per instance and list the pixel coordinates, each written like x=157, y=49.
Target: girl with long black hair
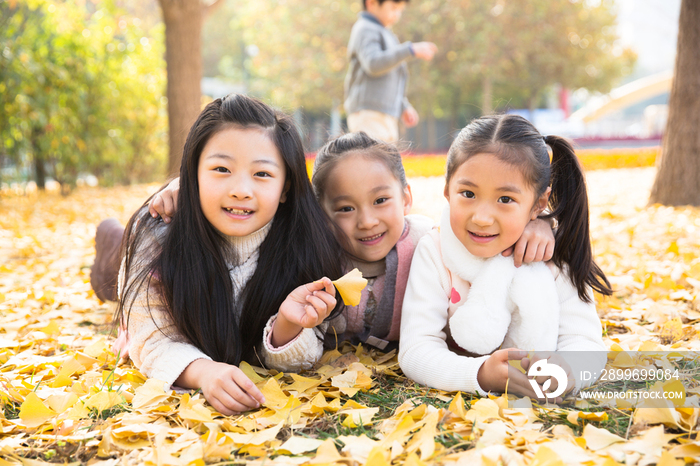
x=237, y=274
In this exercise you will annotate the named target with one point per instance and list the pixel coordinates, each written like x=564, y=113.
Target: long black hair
x=514, y=140
x=190, y=270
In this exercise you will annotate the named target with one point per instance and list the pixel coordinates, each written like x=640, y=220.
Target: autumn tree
x=41, y=99
x=510, y=53
x=301, y=49
x=678, y=173
x=80, y=91
x=183, y=54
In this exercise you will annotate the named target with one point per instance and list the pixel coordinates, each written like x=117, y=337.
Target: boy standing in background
x=375, y=86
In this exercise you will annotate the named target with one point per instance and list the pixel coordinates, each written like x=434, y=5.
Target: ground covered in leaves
x=64, y=400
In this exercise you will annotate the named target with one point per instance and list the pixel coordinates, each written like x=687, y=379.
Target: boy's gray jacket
x=378, y=74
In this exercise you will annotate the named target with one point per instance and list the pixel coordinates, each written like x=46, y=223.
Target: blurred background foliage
x=492, y=54
x=82, y=82
x=81, y=91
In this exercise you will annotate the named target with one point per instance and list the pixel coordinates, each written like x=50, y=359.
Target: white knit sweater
x=424, y=355
x=161, y=357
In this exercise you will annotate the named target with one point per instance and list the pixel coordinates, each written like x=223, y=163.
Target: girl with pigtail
x=468, y=311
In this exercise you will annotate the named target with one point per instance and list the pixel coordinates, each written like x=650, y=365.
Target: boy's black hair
x=189, y=271
x=514, y=140
x=364, y=2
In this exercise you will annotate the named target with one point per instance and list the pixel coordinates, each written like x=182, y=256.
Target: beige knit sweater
x=149, y=337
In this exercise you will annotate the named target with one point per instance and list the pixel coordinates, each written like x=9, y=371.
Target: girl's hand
x=165, y=201
x=536, y=244
x=496, y=372
x=305, y=307
x=224, y=386
x=552, y=359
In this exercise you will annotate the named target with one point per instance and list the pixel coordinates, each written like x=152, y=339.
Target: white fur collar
x=521, y=303
x=457, y=257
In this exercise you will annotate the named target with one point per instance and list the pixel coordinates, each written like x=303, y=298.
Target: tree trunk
x=39, y=162
x=677, y=180
x=183, y=55
x=40, y=171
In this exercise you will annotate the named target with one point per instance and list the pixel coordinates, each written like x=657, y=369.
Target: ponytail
x=569, y=205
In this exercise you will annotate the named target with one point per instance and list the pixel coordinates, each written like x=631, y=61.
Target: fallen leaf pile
x=66, y=400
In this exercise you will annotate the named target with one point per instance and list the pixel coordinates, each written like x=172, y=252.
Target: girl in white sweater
x=236, y=275
x=464, y=299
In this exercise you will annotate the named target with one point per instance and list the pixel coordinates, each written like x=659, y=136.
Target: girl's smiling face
x=368, y=203
x=241, y=178
x=490, y=204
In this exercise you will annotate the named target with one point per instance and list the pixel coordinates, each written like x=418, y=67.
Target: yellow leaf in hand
x=350, y=287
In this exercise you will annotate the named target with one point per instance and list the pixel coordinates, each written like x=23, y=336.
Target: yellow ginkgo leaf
x=275, y=398
x=597, y=416
x=149, y=394
x=327, y=453
x=250, y=372
x=196, y=412
x=298, y=445
x=34, y=412
x=350, y=287
x=104, y=400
